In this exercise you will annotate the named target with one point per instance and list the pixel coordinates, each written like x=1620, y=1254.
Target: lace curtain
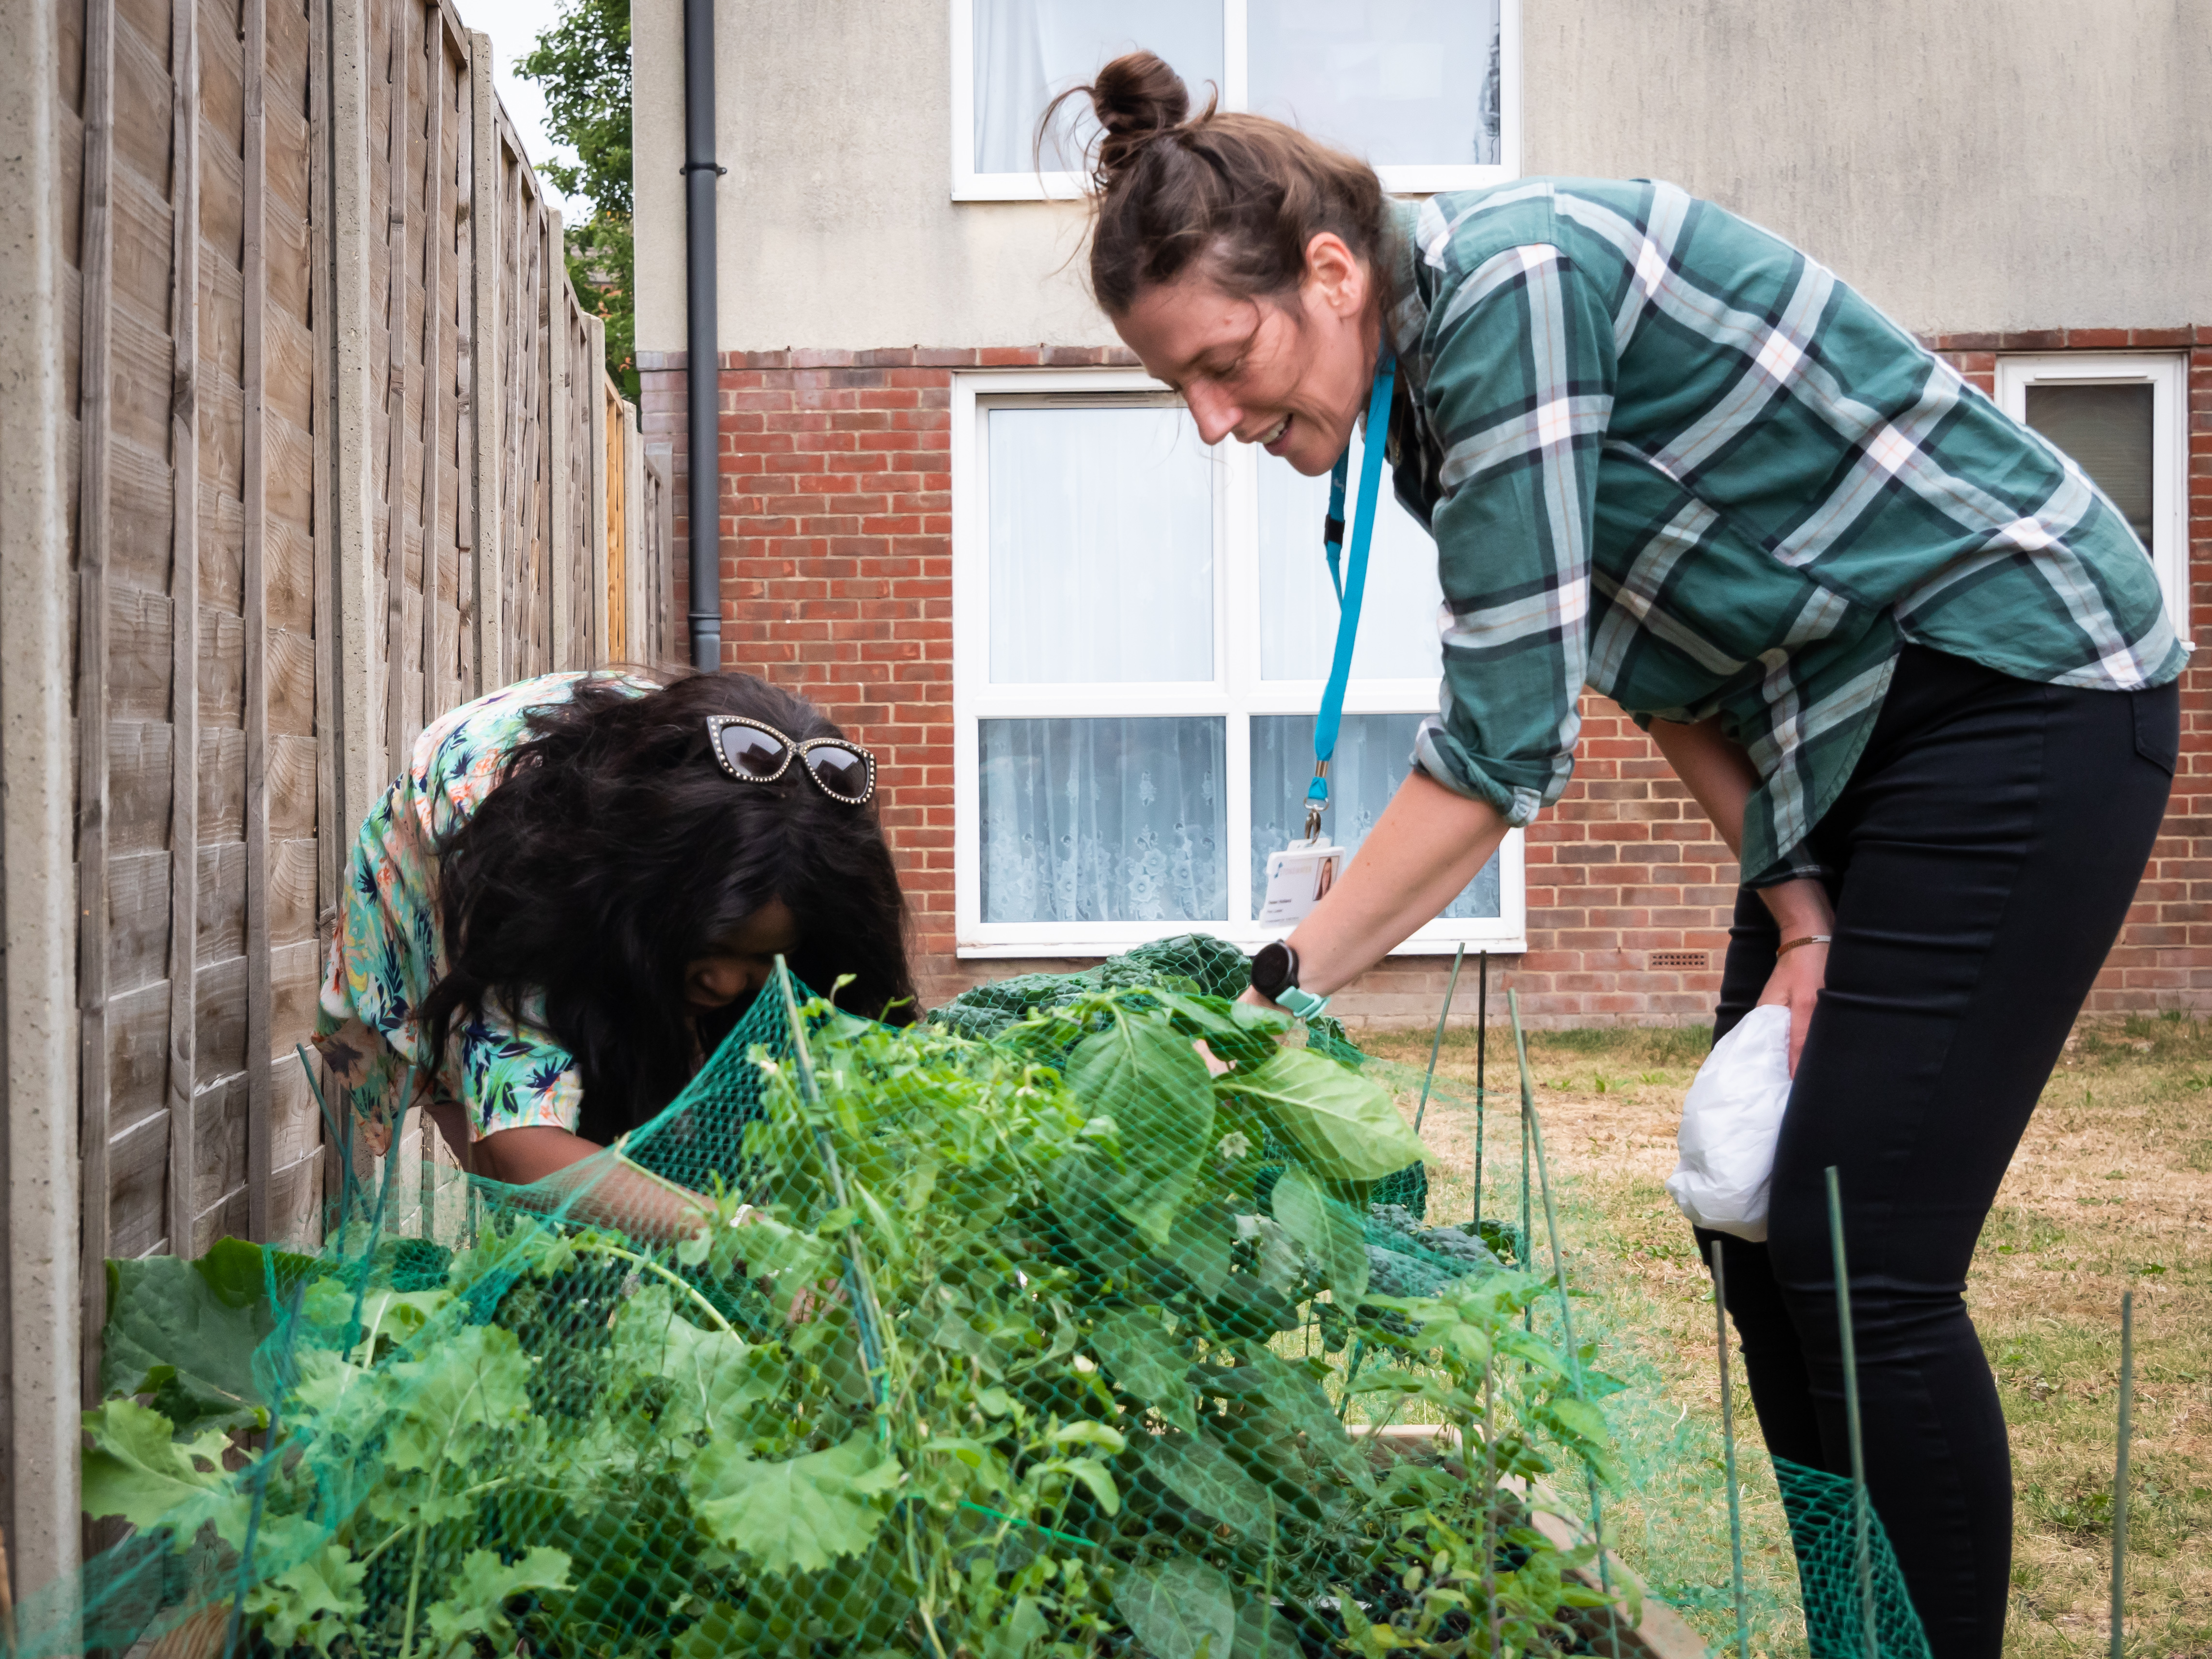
x=1373, y=754
x=1104, y=819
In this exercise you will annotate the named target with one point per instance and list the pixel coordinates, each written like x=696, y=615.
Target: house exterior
x=952, y=509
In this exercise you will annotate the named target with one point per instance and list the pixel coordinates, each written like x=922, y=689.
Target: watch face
x=1271, y=969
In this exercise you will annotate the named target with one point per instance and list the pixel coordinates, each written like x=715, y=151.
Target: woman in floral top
x=574, y=890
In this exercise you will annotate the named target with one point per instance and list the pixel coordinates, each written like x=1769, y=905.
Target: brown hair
x=1242, y=193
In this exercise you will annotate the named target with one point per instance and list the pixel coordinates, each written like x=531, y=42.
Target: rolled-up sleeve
x=1518, y=393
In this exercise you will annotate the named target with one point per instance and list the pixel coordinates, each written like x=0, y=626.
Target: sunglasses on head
x=752, y=751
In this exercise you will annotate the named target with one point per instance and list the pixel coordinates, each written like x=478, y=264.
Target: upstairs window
x=1428, y=91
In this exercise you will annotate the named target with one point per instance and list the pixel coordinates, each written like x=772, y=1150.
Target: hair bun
x=1136, y=98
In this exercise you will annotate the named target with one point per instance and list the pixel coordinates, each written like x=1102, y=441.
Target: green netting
x=1021, y=1332
x=1842, y=1585
x=1209, y=966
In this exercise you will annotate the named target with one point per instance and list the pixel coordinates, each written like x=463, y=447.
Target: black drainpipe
x=699, y=172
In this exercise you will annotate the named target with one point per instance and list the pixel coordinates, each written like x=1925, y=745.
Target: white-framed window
x=1429, y=91
x=2124, y=418
x=1141, y=627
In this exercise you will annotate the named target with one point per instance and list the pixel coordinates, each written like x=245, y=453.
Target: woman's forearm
x=1428, y=844
x=1720, y=777
x=574, y=1175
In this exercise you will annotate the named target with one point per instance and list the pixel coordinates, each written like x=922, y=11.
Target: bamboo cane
x=2120, y=1472
x=1862, y=1505
x=1437, y=1042
x=1727, y=1450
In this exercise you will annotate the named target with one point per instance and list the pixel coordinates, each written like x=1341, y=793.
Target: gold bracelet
x=1809, y=938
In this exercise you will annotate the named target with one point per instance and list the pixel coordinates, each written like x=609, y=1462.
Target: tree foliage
x=582, y=63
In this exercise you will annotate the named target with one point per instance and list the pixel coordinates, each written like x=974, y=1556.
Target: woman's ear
x=1335, y=278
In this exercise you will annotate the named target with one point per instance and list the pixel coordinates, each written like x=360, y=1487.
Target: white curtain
x=1374, y=752
x=1104, y=819
x=1101, y=546
x=1402, y=82
x=1398, y=633
x=1026, y=50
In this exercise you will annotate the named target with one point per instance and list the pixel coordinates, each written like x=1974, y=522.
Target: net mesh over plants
x=1096, y=1315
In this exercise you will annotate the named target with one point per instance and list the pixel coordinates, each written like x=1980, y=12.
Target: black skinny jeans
x=1986, y=852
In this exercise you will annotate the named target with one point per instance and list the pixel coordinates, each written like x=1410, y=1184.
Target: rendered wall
x=1985, y=164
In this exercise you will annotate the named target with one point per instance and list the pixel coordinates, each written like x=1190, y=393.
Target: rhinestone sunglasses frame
x=792, y=748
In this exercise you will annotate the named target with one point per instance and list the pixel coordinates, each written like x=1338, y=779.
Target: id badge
x=1297, y=877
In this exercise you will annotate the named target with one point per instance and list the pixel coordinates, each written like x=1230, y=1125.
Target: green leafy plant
x=1043, y=1393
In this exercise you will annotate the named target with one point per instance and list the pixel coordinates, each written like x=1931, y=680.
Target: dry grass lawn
x=2111, y=1190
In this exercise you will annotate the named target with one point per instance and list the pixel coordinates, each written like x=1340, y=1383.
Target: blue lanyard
x=1349, y=587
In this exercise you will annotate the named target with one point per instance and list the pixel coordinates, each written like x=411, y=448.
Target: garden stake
x=1863, y=1504
x=1535, y=1132
x=1481, y=1053
x=1437, y=1042
x=1490, y=1510
x=1351, y=1372
x=1727, y=1450
x=1522, y=1246
x=2120, y=1472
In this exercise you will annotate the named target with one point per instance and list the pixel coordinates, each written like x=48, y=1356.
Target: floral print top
x=388, y=950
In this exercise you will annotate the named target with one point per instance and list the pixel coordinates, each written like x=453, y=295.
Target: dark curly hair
x=615, y=851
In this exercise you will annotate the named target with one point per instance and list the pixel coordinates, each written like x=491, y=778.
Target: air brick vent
x=1691, y=962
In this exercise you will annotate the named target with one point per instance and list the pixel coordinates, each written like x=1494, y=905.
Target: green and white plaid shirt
x=1666, y=455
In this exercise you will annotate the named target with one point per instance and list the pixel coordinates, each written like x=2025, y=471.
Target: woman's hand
x=1796, y=984
x=1801, y=909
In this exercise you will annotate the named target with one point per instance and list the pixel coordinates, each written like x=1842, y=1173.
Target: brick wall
x=836, y=581
x=2163, y=958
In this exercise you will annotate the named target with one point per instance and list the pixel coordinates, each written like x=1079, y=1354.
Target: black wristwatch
x=1275, y=976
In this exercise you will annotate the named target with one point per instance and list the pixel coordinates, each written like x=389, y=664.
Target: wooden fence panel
x=617, y=442
x=336, y=451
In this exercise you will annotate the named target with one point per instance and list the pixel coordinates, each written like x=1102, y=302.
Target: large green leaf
x=1203, y=1247
x=312, y=1601
x=1183, y=1609
x=1145, y=1075
x=1239, y=1032
x=1211, y=1481
x=1298, y=1395
x=134, y=1469
x=172, y=1333
x=712, y=1374
x=798, y=1514
x=1344, y=1127
x=477, y=1605
x=1327, y=1228
x=1264, y=1633
x=1139, y=1356
x=466, y=1386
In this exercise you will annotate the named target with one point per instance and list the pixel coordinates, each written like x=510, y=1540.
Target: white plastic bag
x=1730, y=1120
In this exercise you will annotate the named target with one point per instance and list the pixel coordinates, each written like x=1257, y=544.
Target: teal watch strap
x=1304, y=1003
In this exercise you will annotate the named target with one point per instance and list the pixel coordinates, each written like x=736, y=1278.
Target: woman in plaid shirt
x=1910, y=661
